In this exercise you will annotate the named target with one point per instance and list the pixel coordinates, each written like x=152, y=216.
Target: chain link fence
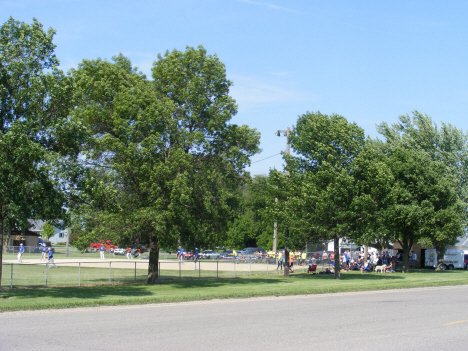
x=84, y=272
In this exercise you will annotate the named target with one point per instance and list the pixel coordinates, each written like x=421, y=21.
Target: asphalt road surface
x=415, y=319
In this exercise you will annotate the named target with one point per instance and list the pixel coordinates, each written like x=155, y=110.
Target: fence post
x=159, y=270
x=199, y=269
x=11, y=279
x=250, y=267
x=217, y=269
x=79, y=273
x=46, y=269
x=180, y=270
x=234, y=268
x=135, y=271
x=267, y=265
x=110, y=270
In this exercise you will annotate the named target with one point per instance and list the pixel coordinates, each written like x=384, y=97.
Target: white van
x=452, y=259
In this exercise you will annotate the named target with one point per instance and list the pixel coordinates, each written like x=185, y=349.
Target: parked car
x=252, y=250
x=119, y=251
x=107, y=245
x=209, y=254
x=248, y=257
x=40, y=243
x=228, y=254
x=188, y=255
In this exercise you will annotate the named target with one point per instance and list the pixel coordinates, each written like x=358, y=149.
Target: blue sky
x=369, y=61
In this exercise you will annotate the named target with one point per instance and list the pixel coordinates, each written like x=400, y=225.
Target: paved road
x=417, y=319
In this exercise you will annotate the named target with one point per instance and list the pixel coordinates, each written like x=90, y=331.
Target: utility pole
x=67, y=252
x=275, y=227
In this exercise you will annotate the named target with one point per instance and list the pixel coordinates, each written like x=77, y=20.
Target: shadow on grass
x=218, y=282
x=191, y=282
x=140, y=289
x=84, y=293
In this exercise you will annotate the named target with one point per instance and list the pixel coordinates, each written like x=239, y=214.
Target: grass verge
x=223, y=288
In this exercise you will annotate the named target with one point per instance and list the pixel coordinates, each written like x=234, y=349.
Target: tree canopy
x=315, y=201
x=164, y=157
x=38, y=139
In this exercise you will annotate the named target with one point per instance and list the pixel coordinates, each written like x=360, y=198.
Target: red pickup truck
x=107, y=244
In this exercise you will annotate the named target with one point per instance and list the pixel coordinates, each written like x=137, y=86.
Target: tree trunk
x=440, y=257
x=336, y=242
x=153, y=265
x=406, y=250
x=1, y=250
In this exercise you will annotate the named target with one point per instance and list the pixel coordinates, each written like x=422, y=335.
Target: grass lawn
x=175, y=290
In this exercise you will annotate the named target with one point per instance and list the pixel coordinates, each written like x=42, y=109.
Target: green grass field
x=177, y=290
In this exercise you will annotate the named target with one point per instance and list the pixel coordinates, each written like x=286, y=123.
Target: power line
x=263, y=159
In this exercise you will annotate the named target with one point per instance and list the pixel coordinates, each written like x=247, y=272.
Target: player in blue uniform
x=43, y=252
x=102, y=249
x=20, y=253
x=51, y=258
x=180, y=254
x=195, y=257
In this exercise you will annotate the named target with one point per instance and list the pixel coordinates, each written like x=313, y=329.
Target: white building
x=59, y=236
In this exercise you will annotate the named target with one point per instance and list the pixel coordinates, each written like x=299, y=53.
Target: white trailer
x=452, y=259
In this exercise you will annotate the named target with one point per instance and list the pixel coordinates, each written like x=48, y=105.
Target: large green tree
x=447, y=145
x=421, y=204
x=164, y=157
x=316, y=199
x=38, y=139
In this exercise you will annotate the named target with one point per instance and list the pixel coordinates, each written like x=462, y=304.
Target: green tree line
x=117, y=155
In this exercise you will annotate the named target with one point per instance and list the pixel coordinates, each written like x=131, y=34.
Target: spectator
x=366, y=267
x=291, y=262
x=343, y=261
x=280, y=260
x=325, y=257
x=389, y=268
x=326, y=271
x=304, y=256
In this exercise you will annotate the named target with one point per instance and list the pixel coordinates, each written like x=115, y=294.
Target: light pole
x=275, y=227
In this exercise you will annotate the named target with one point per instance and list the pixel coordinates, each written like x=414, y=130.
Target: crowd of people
x=384, y=262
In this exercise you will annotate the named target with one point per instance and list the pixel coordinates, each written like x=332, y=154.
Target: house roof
x=36, y=225
x=462, y=240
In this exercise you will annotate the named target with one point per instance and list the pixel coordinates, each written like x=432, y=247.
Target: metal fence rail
x=10, y=252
